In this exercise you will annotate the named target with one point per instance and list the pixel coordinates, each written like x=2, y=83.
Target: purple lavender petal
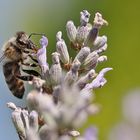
x=44, y=41
x=41, y=53
x=99, y=81
x=90, y=134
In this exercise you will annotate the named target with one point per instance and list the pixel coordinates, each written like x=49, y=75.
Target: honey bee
x=15, y=51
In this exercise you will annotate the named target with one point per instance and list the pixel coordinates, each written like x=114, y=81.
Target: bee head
x=23, y=39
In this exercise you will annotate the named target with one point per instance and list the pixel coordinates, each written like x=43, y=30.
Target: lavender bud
x=102, y=58
x=82, y=33
x=25, y=118
x=93, y=109
x=59, y=36
x=45, y=105
x=31, y=100
x=102, y=49
x=100, y=42
x=86, y=78
x=74, y=133
x=45, y=133
x=18, y=123
x=45, y=71
x=37, y=83
x=75, y=66
x=55, y=70
x=99, y=21
x=62, y=49
x=84, y=19
x=83, y=53
x=33, y=120
x=31, y=135
x=11, y=106
x=91, y=37
x=71, y=31
x=79, y=119
x=55, y=58
x=91, y=61
x=72, y=75
x=56, y=93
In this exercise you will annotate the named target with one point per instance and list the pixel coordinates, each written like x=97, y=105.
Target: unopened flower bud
x=33, y=120
x=31, y=100
x=99, y=21
x=32, y=135
x=93, y=33
x=102, y=58
x=55, y=58
x=37, y=83
x=82, y=33
x=18, y=123
x=46, y=133
x=55, y=70
x=25, y=118
x=71, y=31
x=102, y=49
x=83, y=53
x=79, y=119
x=100, y=42
x=84, y=19
x=85, y=79
x=93, y=109
x=91, y=61
x=72, y=75
x=62, y=50
x=74, y=133
x=11, y=106
x=56, y=94
x=75, y=66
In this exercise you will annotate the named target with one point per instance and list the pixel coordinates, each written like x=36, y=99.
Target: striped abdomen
x=11, y=70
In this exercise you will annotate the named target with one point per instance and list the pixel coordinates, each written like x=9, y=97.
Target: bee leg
x=30, y=64
x=31, y=72
x=35, y=60
x=25, y=51
x=25, y=78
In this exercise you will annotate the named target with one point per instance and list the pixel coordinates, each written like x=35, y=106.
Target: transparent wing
x=2, y=58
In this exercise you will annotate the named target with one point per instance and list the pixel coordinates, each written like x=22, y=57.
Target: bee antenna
x=35, y=34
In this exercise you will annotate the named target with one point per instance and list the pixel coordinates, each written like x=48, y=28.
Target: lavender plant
x=62, y=98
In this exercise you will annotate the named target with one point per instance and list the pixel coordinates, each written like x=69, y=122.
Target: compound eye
x=23, y=39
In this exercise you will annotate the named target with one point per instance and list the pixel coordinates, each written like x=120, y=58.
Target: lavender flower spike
x=99, y=81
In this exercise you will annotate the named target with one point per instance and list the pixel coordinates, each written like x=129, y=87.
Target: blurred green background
x=50, y=16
